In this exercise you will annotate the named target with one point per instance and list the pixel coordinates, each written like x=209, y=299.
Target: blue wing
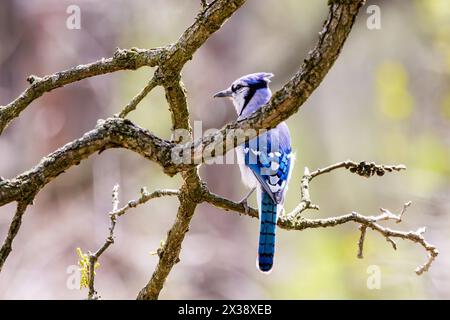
x=269, y=158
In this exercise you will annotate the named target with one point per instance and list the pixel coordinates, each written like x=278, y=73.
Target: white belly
x=247, y=175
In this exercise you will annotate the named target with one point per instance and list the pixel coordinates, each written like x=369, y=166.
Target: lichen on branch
x=118, y=132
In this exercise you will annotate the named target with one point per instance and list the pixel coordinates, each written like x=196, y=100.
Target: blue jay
x=265, y=162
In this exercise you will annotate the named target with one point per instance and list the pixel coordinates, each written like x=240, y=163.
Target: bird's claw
x=244, y=203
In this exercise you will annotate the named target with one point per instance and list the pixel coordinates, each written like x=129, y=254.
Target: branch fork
x=120, y=132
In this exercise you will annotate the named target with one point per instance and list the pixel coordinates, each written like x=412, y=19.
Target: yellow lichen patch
x=83, y=263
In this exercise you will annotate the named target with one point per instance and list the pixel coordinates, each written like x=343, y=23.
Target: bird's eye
x=237, y=87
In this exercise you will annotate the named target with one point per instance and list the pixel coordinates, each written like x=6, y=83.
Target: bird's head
x=249, y=92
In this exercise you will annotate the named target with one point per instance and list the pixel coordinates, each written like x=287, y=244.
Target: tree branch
x=293, y=220
x=121, y=60
x=112, y=133
x=13, y=229
x=121, y=133
x=362, y=237
x=171, y=58
x=363, y=168
x=93, y=257
x=113, y=215
x=118, y=132
x=131, y=106
x=190, y=195
x=290, y=98
x=330, y=42
x=208, y=21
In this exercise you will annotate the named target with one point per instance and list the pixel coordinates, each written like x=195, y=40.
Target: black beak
x=223, y=94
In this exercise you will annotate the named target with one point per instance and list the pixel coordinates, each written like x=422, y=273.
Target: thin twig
x=145, y=197
x=293, y=221
x=113, y=215
x=13, y=229
x=301, y=224
x=362, y=168
x=121, y=60
x=93, y=257
x=131, y=106
x=109, y=134
x=363, y=229
x=305, y=198
x=171, y=60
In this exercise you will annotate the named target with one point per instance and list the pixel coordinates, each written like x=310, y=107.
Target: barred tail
x=267, y=232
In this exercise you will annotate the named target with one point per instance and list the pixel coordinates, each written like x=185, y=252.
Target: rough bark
x=117, y=132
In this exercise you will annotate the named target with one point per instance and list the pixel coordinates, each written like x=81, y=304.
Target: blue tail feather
x=267, y=229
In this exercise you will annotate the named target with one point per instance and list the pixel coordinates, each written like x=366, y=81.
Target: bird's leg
x=244, y=200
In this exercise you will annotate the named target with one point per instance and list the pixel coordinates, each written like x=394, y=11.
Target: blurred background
x=386, y=99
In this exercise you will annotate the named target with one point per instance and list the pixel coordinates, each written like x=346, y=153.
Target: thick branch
x=290, y=98
x=207, y=22
x=190, y=195
x=117, y=133
x=172, y=58
x=121, y=60
x=176, y=98
x=330, y=42
x=112, y=133
x=121, y=133
x=284, y=103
